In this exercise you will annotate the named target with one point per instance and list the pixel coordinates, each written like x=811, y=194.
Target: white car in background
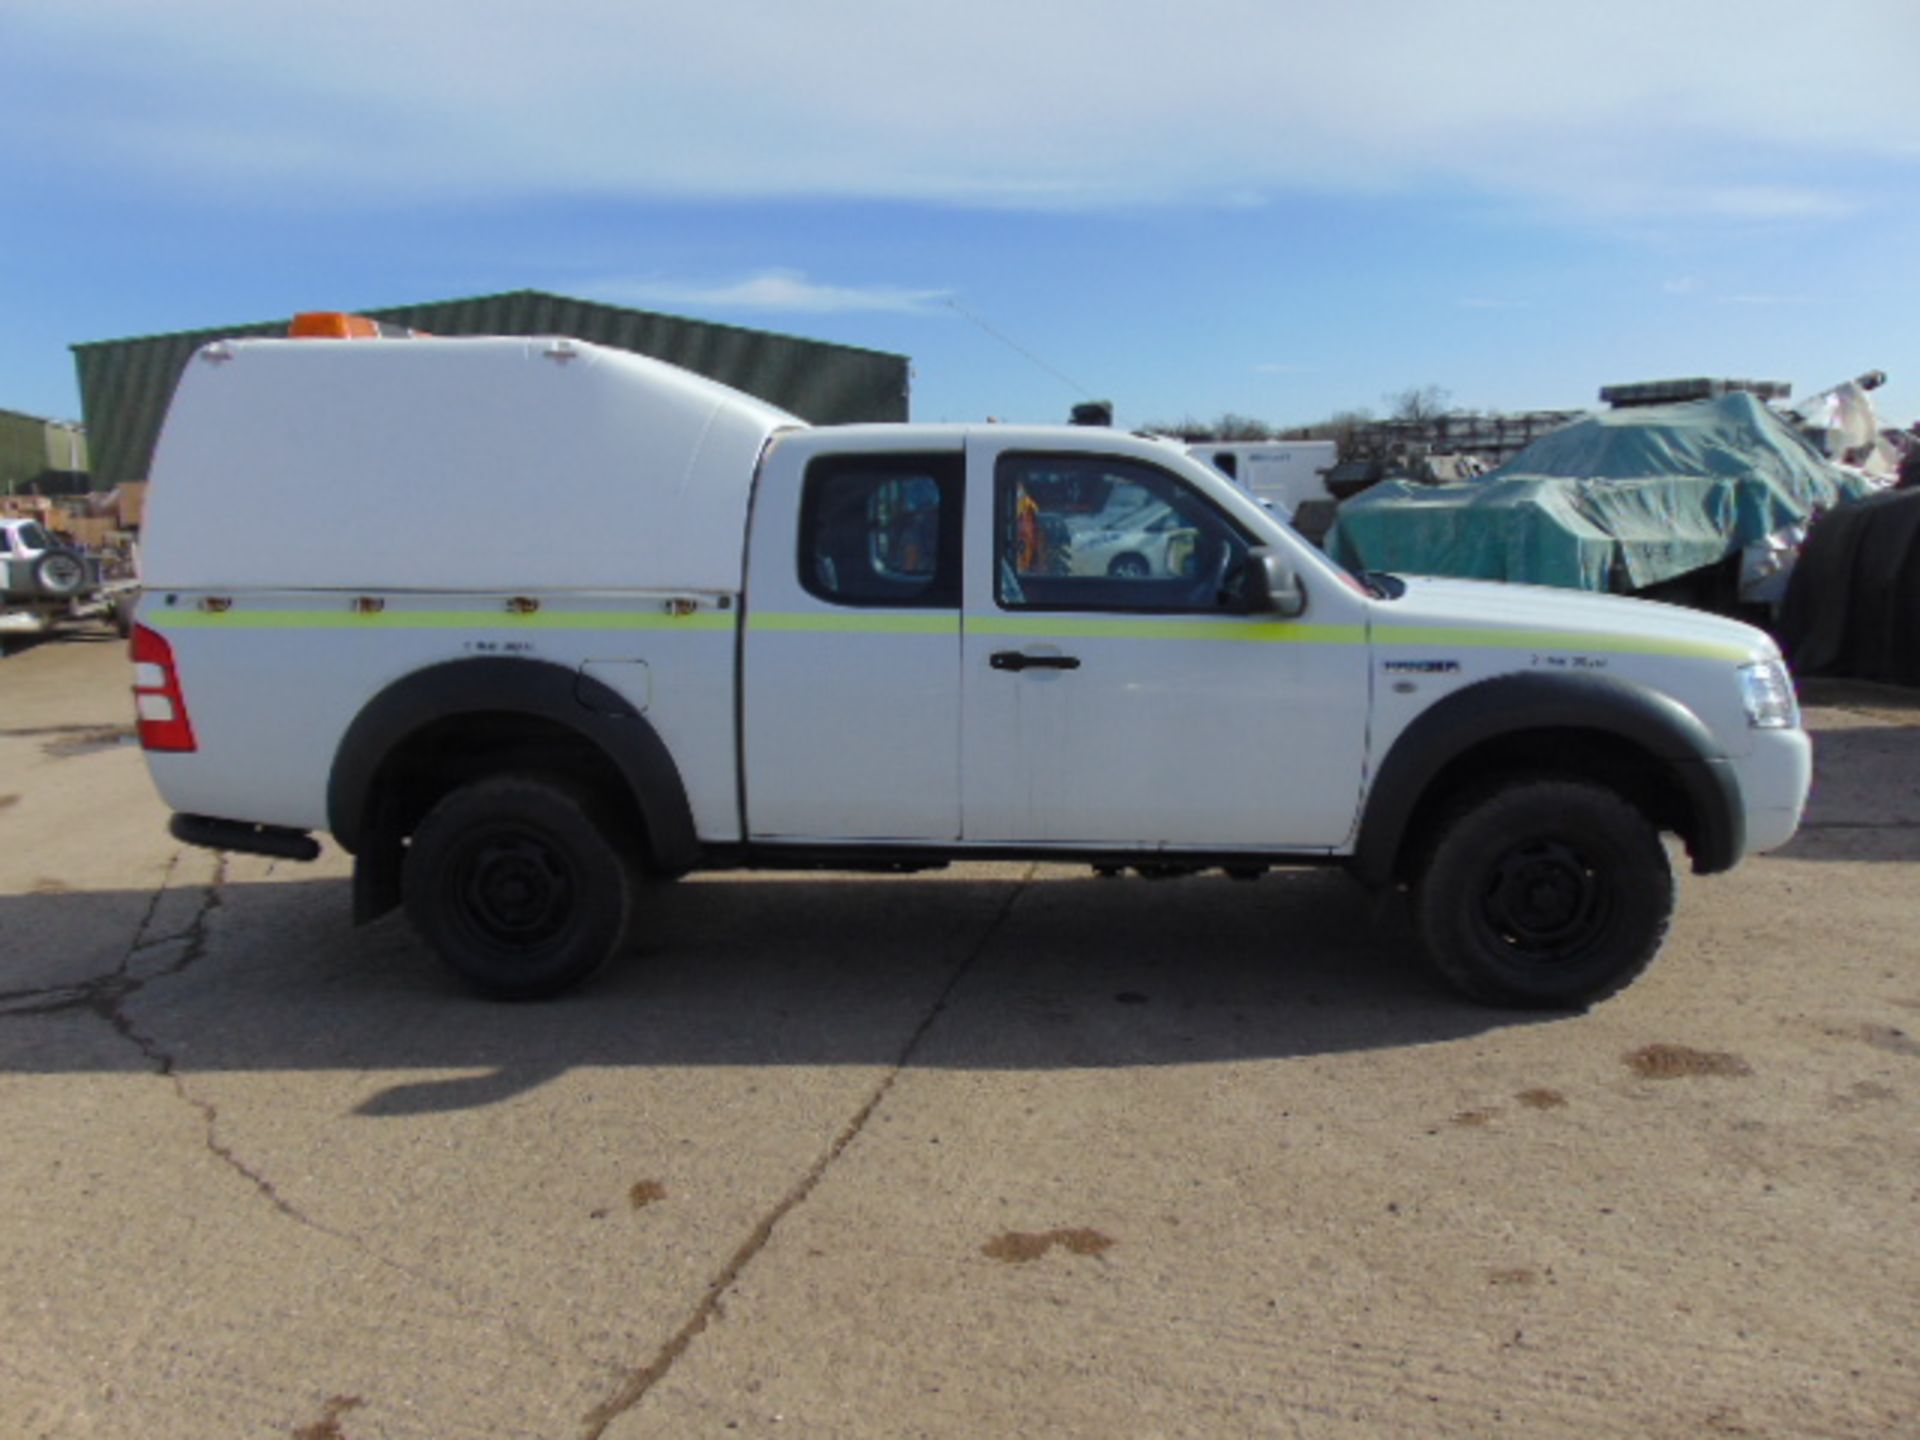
x=1153, y=543
x=34, y=567
x=44, y=583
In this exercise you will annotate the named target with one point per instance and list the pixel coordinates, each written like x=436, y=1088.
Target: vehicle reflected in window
x=1100, y=533
x=882, y=530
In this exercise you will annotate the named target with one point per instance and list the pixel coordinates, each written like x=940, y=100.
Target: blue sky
x=1268, y=208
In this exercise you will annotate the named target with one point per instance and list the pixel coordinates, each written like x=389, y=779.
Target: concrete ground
x=1000, y=1151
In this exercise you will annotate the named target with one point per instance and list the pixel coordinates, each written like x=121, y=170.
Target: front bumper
x=1775, y=776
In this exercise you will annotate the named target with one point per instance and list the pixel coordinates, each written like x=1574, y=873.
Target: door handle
x=1015, y=660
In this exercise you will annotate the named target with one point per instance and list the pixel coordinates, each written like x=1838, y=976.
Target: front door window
x=1077, y=532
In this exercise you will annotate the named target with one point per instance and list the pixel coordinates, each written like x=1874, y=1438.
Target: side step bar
x=274, y=840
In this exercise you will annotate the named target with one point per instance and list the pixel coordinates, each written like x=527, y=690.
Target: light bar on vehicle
x=339, y=325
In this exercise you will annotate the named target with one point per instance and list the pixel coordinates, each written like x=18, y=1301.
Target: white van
x=1283, y=473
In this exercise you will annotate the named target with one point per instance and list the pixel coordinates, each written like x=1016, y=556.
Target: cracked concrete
x=108, y=997
x=634, y=1387
x=170, y=955
x=147, y=956
x=151, y=957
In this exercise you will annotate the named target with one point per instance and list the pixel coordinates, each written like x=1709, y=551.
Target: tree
x=1338, y=427
x=1185, y=428
x=1241, y=427
x=1418, y=403
x=1228, y=427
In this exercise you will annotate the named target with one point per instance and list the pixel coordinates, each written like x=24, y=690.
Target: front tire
x=520, y=884
x=1548, y=894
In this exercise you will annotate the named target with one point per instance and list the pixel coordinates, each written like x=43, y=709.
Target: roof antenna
x=1014, y=345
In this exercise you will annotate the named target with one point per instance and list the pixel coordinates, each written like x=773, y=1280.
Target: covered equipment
x=1618, y=501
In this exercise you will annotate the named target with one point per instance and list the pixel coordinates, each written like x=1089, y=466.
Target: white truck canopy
x=447, y=465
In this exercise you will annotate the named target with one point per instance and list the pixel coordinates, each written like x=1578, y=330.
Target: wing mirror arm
x=1273, y=587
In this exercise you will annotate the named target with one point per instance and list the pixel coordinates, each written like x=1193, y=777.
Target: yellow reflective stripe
x=1151, y=628
x=1560, y=641
x=1249, y=631
x=868, y=622
x=947, y=623
x=243, y=619
x=1268, y=632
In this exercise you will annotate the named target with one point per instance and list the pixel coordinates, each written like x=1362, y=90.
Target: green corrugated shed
x=125, y=384
x=47, y=457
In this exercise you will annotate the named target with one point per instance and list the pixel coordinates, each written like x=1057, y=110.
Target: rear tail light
x=158, y=703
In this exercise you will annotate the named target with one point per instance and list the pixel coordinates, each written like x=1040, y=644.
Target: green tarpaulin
x=1618, y=501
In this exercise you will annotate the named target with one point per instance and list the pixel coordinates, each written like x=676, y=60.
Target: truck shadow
x=1865, y=803
x=74, y=633
x=963, y=970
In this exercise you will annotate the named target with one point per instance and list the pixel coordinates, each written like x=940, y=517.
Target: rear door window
x=882, y=530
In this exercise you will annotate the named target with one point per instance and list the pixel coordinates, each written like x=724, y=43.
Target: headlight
x=1767, y=690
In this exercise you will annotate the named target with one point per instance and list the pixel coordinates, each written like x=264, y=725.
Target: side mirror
x=1272, y=587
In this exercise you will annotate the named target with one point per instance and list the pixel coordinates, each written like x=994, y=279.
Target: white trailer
x=1280, y=473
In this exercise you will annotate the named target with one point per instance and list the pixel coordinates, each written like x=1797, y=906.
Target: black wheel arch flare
x=538, y=689
x=1654, y=723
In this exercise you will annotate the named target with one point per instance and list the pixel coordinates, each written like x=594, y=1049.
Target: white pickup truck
x=525, y=623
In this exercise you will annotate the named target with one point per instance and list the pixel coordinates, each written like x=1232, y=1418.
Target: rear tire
x=122, y=615
x=1549, y=894
x=520, y=884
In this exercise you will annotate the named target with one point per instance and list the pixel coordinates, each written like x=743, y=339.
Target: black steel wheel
x=1544, y=893
x=520, y=885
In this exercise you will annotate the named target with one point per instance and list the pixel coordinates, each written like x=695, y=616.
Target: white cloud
x=1634, y=108
x=1773, y=202
x=770, y=290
